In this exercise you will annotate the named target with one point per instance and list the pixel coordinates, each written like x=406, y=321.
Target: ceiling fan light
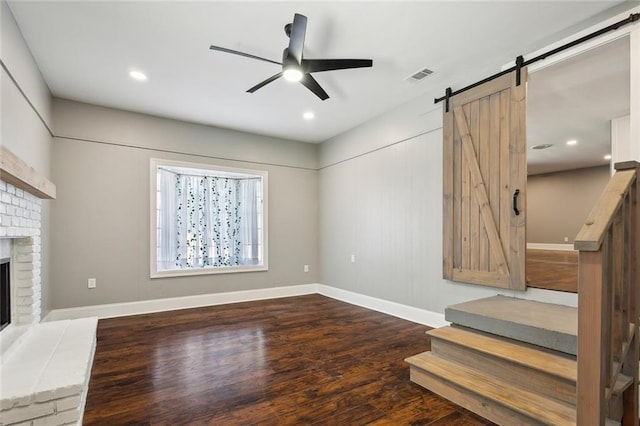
x=137, y=75
x=292, y=74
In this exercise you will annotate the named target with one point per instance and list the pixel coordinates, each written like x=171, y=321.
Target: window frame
x=153, y=219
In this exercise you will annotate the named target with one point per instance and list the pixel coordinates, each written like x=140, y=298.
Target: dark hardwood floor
x=292, y=361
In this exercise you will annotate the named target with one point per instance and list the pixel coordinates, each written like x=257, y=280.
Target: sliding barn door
x=484, y=184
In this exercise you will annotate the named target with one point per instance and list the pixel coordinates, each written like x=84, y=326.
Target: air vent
x=419, y=75
x=542, y=146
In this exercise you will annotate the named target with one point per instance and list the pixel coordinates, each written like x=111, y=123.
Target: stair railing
x=608, y=300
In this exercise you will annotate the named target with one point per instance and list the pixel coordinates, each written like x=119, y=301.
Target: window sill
x=207, y=271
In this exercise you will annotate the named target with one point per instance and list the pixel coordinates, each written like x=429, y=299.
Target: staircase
x=509, y=360
x=519, y=362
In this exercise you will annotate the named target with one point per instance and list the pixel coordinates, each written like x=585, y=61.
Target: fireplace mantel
x=15, y=171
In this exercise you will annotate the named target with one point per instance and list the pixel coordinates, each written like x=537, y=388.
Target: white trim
x=583, y=47
x=154, y=163
x=546, y=246
x=409, y=313
x=174, y=303
x=634, y=94
x=206, y=271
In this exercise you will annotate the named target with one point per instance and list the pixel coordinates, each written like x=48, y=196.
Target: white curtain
x=207, y=221
x=166, y=220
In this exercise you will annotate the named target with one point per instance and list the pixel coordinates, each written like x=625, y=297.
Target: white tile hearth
x=44, y=381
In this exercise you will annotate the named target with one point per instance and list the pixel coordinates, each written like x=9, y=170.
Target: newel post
x=630, y=396
x=592, y=332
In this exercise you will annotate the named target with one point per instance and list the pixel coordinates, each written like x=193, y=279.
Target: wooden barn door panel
x=484, y=164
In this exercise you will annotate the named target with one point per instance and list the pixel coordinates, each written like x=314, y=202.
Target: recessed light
x=607, y=157
x=308, y=115
x=572, y=142
x=542, y=146
x=137, y=75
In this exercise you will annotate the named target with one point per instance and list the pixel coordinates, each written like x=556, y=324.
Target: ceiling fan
x=294, y=66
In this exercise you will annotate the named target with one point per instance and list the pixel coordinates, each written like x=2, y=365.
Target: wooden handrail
x=592, y=232
x=608, y=281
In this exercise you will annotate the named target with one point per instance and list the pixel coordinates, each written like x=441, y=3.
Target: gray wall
x=101, y=218
x=381, y=200
x=558, y=203
x=21, y=130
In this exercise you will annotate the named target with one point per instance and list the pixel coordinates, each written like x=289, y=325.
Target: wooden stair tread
x=543, y=409
x=513, y=351
x=621, y=384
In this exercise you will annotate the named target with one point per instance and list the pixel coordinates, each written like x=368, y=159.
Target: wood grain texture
x=553, y=269
x=447, y=194
x=15, y=171
x=591, y=367
x=494, y=163
x=608, y=318
x=597, y=223
x=484, y=161
x=492, y=278
x=484, y=148
x=473, y=118
x=525, y=366
x=493, y=398
x=632, y=260
x=291, y=361
x=504, y=171
x=518, y=181
x=555, y=363
x=480, y=192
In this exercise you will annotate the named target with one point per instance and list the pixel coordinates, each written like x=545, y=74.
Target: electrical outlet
x=353, y=258
x=91, y=283
x=566, y=239
x=306, y=268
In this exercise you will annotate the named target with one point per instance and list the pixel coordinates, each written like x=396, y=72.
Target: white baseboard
x=173, y=303
x=548, y=246
x=417, y=315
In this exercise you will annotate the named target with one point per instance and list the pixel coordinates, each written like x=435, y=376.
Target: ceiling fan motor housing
x=294, y=67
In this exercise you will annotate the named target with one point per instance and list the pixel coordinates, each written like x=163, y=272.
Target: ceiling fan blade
x=296, y=38
x=318, y=65
x=311, y=84
x=264, y=83
x=246, y=55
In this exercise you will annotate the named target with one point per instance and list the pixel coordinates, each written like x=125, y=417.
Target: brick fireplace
x=44, y=367
x=20, y=223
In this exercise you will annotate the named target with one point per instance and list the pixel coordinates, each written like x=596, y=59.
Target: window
x=207, y=219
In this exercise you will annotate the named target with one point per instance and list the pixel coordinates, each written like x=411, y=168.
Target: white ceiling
x=576, y=99
x=85, y=50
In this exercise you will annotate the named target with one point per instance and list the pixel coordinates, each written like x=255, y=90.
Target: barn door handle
x=515, y=202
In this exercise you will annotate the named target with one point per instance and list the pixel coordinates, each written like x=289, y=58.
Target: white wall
x=101, y=217
x=381, y=200
x=634, y=94
x=26, y=119
x=621, y=147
